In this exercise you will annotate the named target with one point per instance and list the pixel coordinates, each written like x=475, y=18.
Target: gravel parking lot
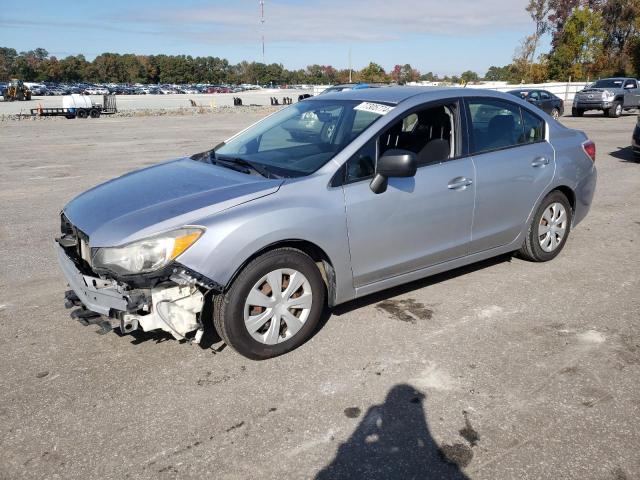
x=126, y=103
x=506, y=368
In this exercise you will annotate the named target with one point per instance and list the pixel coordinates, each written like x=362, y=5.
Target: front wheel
x=616, y=110
x=273, y=306
x=548, y=230
x=555, y=113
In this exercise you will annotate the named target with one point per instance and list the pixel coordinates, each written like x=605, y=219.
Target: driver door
x=419, y=221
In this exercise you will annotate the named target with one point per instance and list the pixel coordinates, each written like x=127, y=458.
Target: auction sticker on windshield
x=378, y=108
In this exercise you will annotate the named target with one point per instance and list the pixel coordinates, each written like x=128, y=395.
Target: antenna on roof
x=262, y=26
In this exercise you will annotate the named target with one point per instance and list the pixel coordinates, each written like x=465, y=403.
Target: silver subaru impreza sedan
x=324, y=201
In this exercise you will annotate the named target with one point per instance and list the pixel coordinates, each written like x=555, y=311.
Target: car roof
x=397, y=94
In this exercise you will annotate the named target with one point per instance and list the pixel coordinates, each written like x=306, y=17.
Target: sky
x=441, y=36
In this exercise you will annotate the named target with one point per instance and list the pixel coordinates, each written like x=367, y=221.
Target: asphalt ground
x=504, y=369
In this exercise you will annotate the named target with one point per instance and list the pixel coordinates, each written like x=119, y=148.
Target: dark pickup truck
x=611, y=95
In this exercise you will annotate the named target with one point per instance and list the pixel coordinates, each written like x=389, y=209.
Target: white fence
x=565, y=91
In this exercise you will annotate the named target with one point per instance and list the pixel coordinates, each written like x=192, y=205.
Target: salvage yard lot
x=512, y=369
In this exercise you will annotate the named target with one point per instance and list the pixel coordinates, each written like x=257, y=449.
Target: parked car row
x=51, y=88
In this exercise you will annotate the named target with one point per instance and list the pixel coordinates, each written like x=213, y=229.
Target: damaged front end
x=170, y=298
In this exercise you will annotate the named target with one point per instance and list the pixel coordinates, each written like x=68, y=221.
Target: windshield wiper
x=244, y=164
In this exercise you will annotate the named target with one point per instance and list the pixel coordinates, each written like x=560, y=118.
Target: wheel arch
x=567, y=192
x=317, y=254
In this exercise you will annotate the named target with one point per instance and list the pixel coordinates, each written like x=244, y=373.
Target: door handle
x=459, y=183
x=540, y=162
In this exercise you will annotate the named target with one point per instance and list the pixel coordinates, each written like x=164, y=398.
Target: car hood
x=600, y=90
x=161, y=197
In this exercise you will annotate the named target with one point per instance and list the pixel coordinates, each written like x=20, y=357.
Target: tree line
x=37, y=65
x=589, y=39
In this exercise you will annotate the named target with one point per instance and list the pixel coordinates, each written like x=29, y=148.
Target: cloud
x=336, y=21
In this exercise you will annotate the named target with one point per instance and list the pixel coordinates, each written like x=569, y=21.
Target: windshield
x=299, y=139
x=608, y=83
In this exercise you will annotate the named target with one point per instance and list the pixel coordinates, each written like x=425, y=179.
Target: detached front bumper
x=173, y=306
x=97, y=295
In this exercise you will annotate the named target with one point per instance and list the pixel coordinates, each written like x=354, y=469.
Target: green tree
x=373, y=73
x=497, y=74
x=469, y=76
x=579, y=45
x=7, y=58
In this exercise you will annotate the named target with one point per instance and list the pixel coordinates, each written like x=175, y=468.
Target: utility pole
x=262, y=26
x=349, y=64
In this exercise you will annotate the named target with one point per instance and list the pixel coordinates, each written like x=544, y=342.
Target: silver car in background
x=324, y=201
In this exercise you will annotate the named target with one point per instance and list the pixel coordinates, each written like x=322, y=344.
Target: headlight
x=607, y=95
x=146, y=255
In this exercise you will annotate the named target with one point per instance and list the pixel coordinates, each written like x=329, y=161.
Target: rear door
x=514, y=164
x=546, y=101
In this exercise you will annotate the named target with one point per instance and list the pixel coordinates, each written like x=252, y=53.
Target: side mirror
x=394, y=163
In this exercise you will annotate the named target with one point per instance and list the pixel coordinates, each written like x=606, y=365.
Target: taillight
x=590, y=149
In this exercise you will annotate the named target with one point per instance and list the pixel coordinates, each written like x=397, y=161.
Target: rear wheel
x=81, y=113
x=273, y=306
x=94, y=113
x=549, y=229
x=577, y=112
x=555, y=113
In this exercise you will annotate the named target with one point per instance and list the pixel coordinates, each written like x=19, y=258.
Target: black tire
x=615, y=111
x=531, y=249
x=228, y=308
x=81, y=113
x=94, y=113
x=577, y=112
x=70, y=116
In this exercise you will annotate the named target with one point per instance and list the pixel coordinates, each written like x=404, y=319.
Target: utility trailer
x=79, y=106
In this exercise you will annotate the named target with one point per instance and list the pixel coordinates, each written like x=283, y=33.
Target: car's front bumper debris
x=173, y=306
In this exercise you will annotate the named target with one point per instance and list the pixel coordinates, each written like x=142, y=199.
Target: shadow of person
x=393, y=442
x=625, y=154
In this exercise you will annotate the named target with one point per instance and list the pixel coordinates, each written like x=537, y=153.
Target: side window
x=362, y=165
x=533, y=128
x=534, y=95
x=545, y=95
x=409, y=122
x=633, y=84
x=429, y=133
x=495, y=124
x=361, y=120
